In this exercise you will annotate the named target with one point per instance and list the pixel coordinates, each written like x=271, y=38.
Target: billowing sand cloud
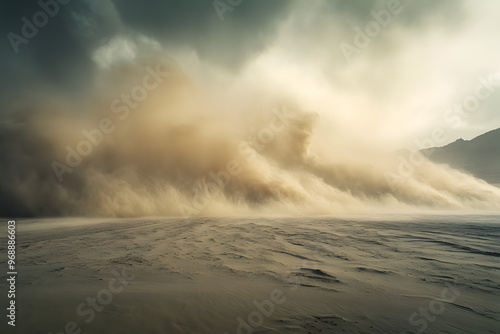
x=151, y=142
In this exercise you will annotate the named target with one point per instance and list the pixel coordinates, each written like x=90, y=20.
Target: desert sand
x=260, y=275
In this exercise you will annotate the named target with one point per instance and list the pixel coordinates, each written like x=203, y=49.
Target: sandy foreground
x=425, y=274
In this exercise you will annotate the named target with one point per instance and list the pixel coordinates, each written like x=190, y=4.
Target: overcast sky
x=428, y=56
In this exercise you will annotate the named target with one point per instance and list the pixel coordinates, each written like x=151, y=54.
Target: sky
x=426, y=58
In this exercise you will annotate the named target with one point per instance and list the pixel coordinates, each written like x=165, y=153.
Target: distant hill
x=479, y=156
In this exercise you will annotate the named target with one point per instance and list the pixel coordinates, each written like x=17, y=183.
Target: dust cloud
x=150, y=141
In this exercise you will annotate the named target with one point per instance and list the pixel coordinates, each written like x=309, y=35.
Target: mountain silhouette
x=479, y=156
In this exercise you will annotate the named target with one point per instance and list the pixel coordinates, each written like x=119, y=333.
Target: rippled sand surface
x=432, y=274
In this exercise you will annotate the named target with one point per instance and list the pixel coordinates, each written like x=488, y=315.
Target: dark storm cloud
x=417, y=12
x=245, y=30
x=58, y=53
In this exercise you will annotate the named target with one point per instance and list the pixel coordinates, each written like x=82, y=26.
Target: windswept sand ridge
x=200, y=275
